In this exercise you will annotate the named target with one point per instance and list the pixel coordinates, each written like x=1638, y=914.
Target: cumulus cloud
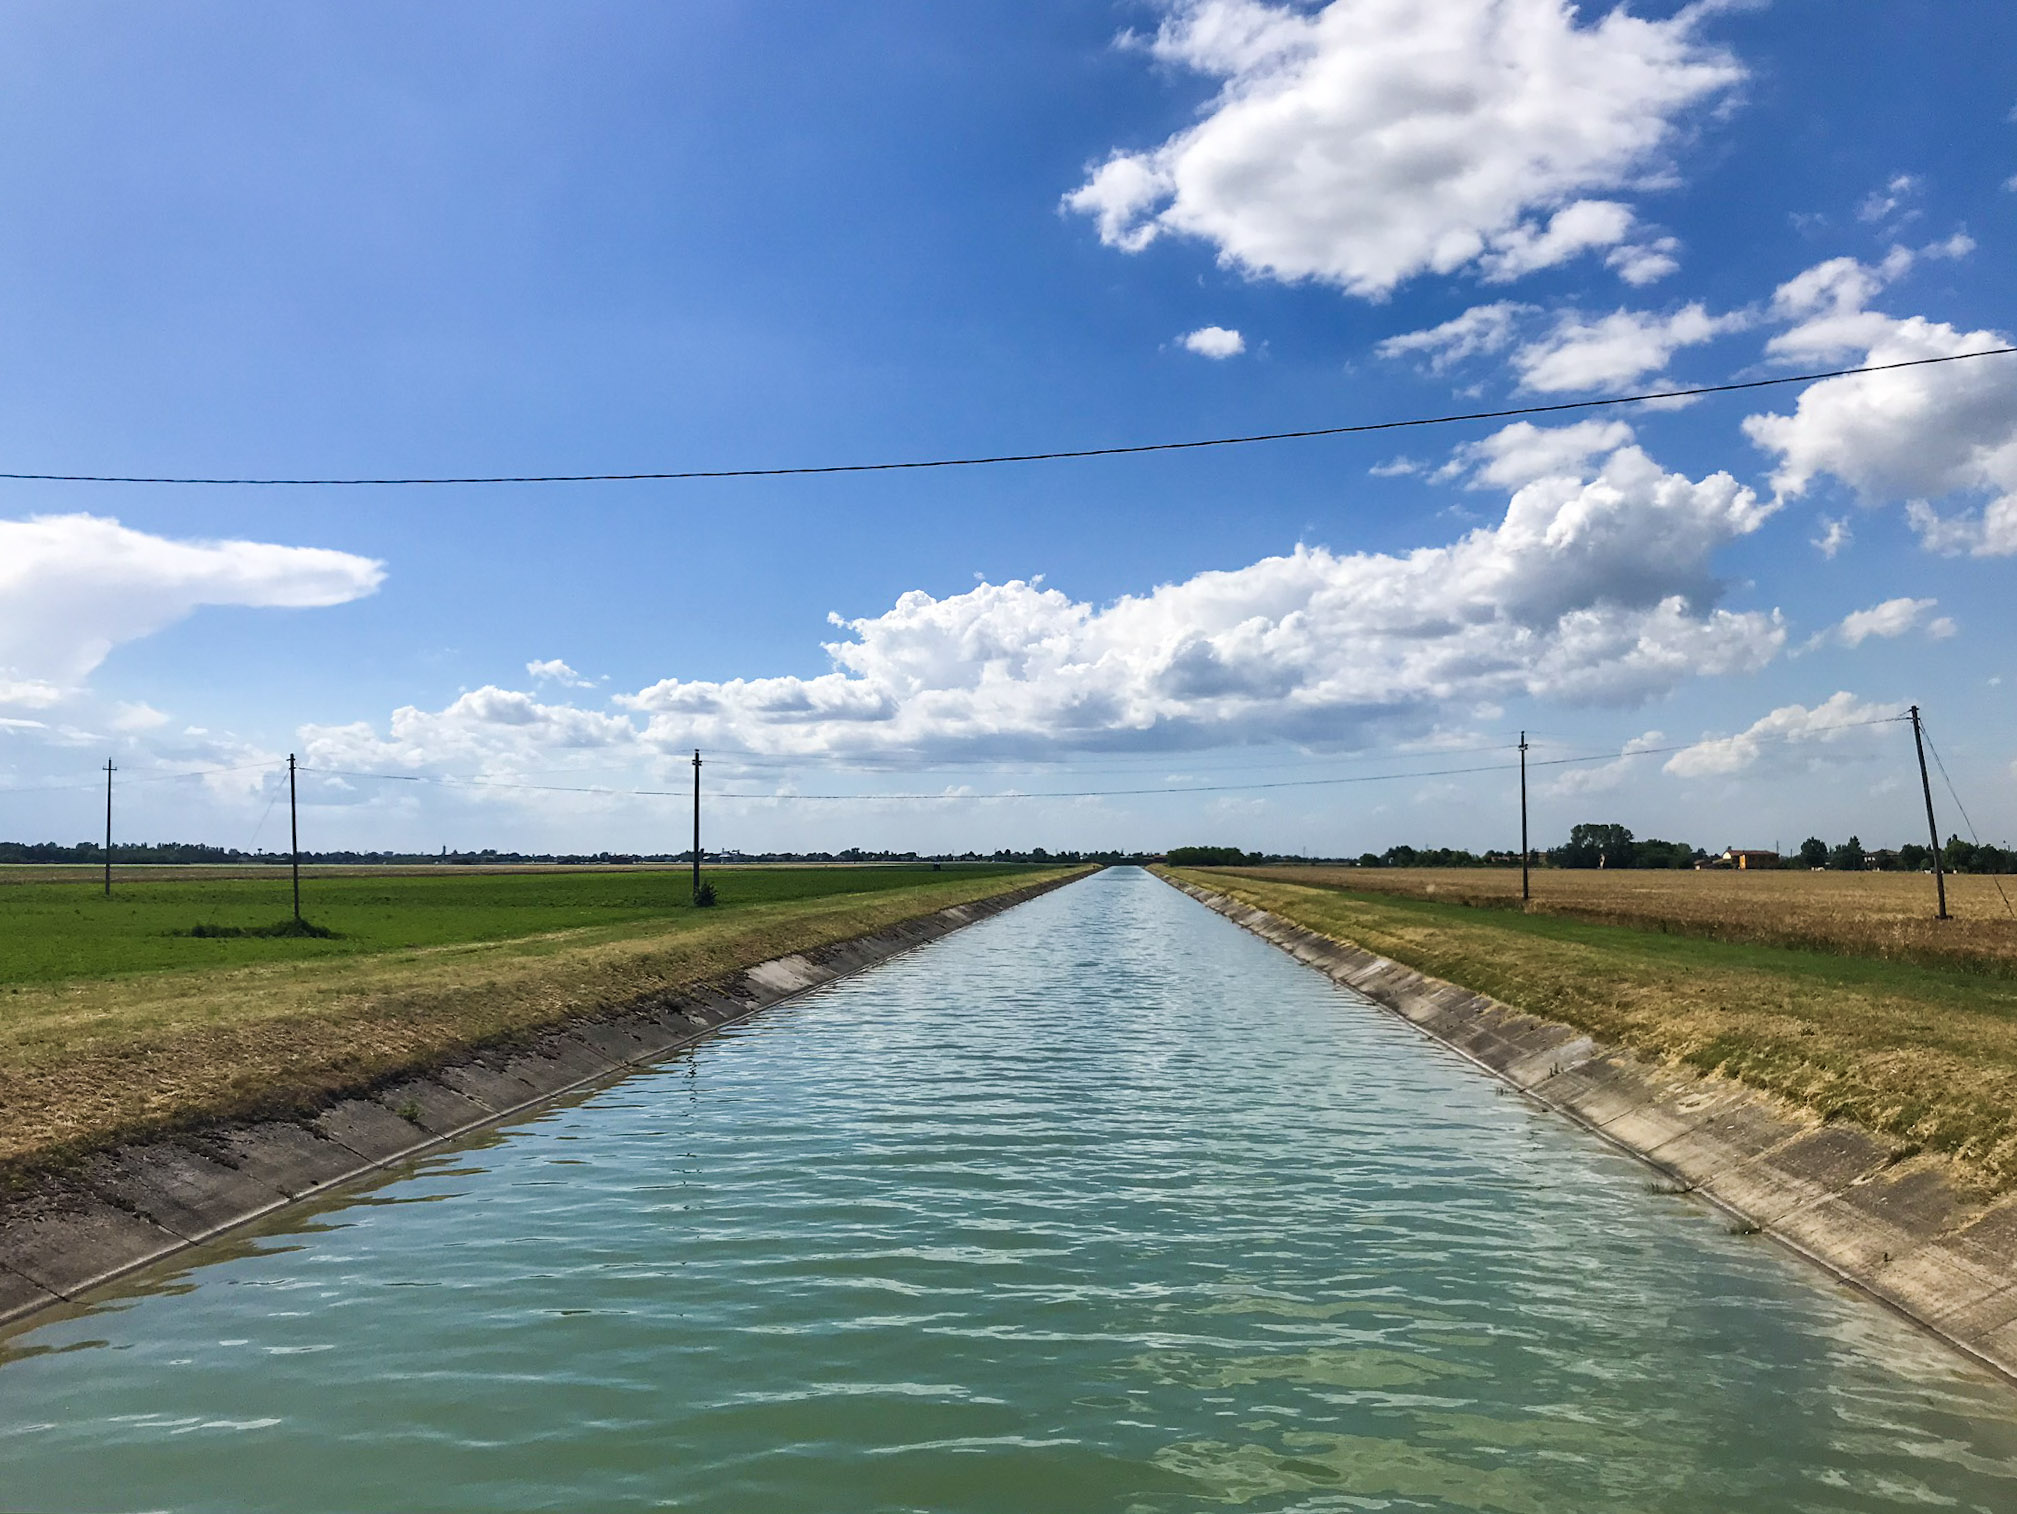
x=1594, y=586
x=1917, y=435
x=1840, y=717
x=1612, y=351
x=1479, y=330
x=1894, y=617
x=1835, y=535
x=1518, y=454
x=73, y=587
x=1886, y=621
x=1894, y=197
x=1215, y=342
x=554, y=670
x=1367, y=141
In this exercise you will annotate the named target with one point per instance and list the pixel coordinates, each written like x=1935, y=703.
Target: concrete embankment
x=1866, y=1209
x=124, y=1208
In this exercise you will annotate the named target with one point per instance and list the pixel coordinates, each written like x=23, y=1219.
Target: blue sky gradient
x=385, y=239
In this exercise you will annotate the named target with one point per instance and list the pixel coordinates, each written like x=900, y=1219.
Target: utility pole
x=696, y=825
x=1526, y=889
x=108, y=827
x=294, y=836
x=1932, y=830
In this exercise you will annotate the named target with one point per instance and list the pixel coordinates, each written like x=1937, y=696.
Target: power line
x=1016, y=457
x=1019, y=794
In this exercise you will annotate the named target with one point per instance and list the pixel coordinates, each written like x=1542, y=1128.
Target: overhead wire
x=953, y=796
x=990, y=460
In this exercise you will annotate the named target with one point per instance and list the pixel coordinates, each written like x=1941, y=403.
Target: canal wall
x=124, y=1208
x=1864, y=1208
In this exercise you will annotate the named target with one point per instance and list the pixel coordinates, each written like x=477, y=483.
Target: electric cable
x=1060, y=455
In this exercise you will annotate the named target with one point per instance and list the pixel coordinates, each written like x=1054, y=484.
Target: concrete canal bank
x=1866, y=1209
x=124, y=1208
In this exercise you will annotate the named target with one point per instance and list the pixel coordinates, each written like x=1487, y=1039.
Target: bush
x=704, y=896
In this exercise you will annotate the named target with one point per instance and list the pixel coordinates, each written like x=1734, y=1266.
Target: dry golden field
x=1888, y=915
x=1923, y=1051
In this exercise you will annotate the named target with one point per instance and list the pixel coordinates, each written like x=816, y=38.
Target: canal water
x=1100, y=1205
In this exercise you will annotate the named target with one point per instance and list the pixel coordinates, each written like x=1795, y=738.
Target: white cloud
x=1215, y=342
x=1518, y=454
x=1835, y=535
x=1596, y=587
x=1892, y=618
x=1396, y=467
x=73, y=587
x=554, y=670
x=139, y=716
x=1840, y=717
x=1614, y=350
x=1368, y=141
x=1880, y=203
x=1607, y=776
x=1915, y=435
x=1646, y=262
x=1481, y=329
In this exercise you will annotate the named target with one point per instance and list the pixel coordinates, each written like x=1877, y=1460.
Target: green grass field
x=64, y=930
x=115, y=1024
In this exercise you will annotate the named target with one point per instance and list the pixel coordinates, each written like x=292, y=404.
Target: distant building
x=1740, y=859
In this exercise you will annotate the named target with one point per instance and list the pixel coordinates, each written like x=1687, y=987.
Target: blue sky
x=385, y=239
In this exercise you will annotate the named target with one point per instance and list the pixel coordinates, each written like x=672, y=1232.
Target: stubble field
x=1885, y=915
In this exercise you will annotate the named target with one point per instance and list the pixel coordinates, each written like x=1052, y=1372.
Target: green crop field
x=67, y=929
x=116, y=1023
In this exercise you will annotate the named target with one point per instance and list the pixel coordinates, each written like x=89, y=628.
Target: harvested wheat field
x=1887, y=915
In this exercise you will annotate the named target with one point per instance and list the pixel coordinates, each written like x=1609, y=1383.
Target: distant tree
x=1848, y=857
x=1914, y=858
x=1813, y=852
x=1369, y=859
x=1595, y=846
x=1204, y=856
x=1662, y=854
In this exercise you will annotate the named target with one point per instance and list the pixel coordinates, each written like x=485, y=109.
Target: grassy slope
x=1921, y=1052
x=90, y=1060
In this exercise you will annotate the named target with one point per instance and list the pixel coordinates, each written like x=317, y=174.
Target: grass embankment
x=112, y=1027
x=1925, y=1053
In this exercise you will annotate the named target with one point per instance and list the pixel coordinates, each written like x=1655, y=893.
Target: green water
x=1101, y=1205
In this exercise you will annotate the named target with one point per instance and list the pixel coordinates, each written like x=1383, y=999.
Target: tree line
x=1595, y=845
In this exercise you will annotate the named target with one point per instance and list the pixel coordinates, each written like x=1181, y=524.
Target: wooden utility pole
x=294, y=836
x=696, y=825
x=1932, y=830
x=1526, y=891
x=108, y=827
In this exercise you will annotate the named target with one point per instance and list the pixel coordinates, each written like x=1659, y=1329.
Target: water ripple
x=1101, y=1205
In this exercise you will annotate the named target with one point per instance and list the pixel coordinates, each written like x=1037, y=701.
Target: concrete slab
x=487, y=1085
x=434, y=1107
x=180, y=1190
x=290, y=1159
x=68, y=1246
x=18, y=1296
x=783, y=977
x=371, y=1130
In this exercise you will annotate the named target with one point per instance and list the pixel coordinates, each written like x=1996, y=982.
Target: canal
x=1100, y=1205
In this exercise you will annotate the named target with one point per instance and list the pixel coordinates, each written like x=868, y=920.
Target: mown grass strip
x=1927, y=1054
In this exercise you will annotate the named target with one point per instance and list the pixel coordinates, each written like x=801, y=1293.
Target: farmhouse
x=1740, y=859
